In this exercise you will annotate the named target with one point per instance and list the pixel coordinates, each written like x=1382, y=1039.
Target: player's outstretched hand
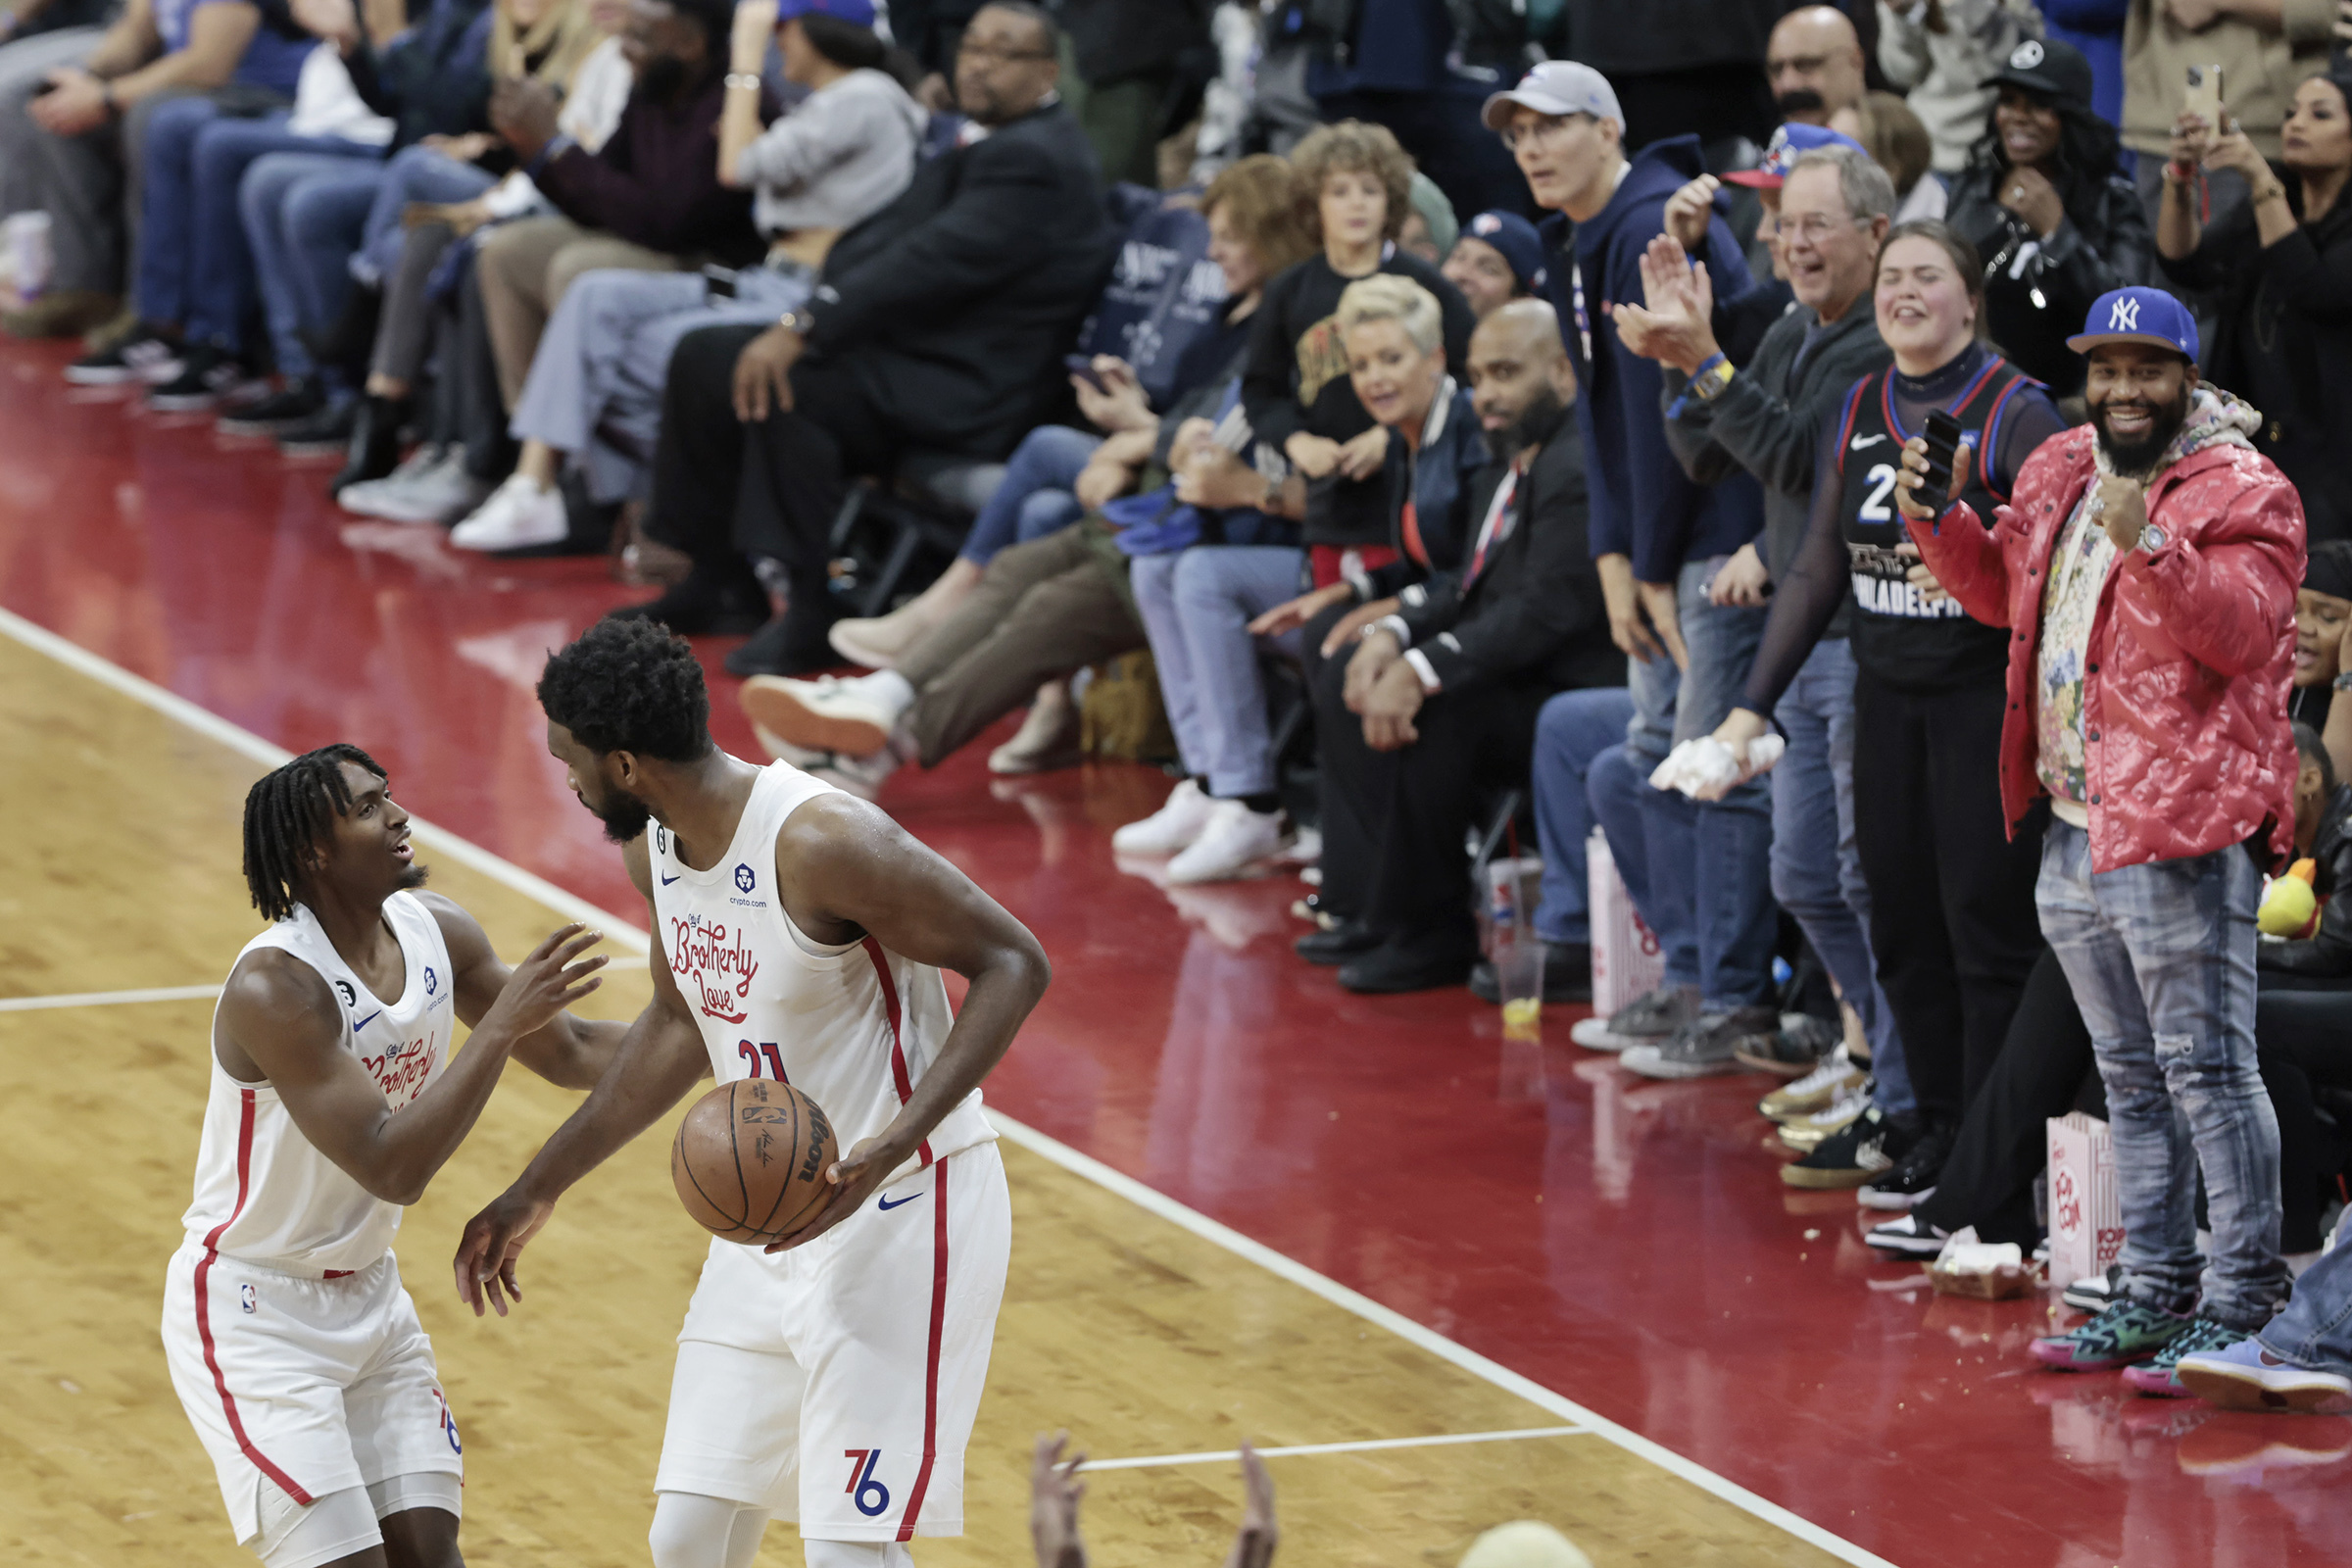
x=1055, y=1490
x=855, y=1176
x=1253, y=1543
x=494, y=1239
x=546, y=983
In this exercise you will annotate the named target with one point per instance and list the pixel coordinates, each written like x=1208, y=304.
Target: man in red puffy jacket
x=2147, y=565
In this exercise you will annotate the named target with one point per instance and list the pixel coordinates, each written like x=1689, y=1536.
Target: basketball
x=750, y=1161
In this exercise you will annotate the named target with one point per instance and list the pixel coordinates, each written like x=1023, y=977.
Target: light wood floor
x=119, y=870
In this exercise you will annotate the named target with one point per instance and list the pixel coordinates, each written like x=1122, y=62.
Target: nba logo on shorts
x=246, y=1298
x=449, y=1423
x=744, y=880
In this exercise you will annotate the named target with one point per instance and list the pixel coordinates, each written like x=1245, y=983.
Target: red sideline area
x=1623, y=1242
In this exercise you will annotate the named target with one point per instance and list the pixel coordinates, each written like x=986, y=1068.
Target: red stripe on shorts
x=898, y=1042
x=204, y=1315
x=939, y=1323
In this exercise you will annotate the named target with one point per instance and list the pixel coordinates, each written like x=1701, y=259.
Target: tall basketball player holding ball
x=831, y=1377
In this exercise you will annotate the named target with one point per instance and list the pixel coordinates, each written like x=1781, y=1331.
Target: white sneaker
x=1172, y=829
x=1233, y=839
x=862, y=776
x=848, y=718
x=783, y=751
x=517, y=517
x=432, y=486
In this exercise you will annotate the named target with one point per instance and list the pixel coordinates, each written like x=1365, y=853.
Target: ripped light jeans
x=2161, y=958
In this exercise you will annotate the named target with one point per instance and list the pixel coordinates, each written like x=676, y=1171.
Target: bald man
x=1814, y=61
x=1441, y=698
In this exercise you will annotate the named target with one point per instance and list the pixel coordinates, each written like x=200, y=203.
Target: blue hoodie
x=1643, y=505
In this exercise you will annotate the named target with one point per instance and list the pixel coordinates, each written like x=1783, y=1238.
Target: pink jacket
x=2184, y=698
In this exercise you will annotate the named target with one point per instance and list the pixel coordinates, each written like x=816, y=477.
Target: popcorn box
x=2087, y=1215
x=1627, y=961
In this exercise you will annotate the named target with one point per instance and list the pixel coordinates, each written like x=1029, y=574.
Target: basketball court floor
x=1446, y=1279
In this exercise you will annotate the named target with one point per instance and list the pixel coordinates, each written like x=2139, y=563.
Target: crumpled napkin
x=1705, y=769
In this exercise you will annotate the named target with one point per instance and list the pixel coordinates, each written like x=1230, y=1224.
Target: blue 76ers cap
x=1789, y=143
x=2138, y=315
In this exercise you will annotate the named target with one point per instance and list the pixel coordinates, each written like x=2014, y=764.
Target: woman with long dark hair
x=2281, y=265
x=2043, y=203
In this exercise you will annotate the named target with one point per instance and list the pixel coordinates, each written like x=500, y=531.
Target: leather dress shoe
x=1337, y=945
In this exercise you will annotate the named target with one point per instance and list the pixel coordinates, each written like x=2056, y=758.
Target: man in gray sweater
x=1833, y=212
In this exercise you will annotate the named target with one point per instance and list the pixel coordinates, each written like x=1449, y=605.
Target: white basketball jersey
x=853, y=1027
x=264, y=1192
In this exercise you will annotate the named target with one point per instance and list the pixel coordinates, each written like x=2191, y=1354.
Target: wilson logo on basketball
x=716, y=970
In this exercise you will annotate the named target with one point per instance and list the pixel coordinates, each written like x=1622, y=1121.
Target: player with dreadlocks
x=335, y=1099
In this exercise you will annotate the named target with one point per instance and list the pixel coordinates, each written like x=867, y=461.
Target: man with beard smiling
x=2147, y=565
x=1442, y=694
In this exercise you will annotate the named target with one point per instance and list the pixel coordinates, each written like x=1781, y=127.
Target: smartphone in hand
x=1082, y=365
x=2204, y=96
x=1943, y=435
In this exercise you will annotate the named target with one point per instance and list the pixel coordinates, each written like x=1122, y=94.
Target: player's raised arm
x=658, y=1060
x=567, y=1051
x=280, y=1022
x=845, y=872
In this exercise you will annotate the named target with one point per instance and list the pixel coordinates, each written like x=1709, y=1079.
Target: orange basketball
x=750, y=1161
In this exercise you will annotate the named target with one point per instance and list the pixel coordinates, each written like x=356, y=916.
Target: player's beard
x=2136, y=458
x=623, y=815
x=415, y=877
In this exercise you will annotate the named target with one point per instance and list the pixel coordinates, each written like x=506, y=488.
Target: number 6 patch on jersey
x=871, y=1497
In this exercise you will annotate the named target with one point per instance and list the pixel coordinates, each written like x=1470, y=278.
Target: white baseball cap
x=1557, y=88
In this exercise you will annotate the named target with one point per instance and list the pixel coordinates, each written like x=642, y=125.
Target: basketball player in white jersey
x=333, y=1100
x=833, y=1378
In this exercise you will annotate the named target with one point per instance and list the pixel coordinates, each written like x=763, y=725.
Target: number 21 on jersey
x=766, y=1052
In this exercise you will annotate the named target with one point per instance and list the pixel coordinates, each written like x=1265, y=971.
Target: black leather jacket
x=2037, y=290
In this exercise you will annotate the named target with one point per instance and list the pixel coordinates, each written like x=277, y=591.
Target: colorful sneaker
x=2161, y=1378
x=1646, y=1020
x=2245, y=1376
x=1860, y=1152
x=1837, y=1077
x=2128, y=1331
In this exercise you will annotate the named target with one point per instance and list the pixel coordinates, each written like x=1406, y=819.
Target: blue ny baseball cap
x=857, y=13
x=1789, y=143
x=2138, y=315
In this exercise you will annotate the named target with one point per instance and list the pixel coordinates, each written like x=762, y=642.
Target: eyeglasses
x=993, y=55
x=1552, y=128
x=1814, y=227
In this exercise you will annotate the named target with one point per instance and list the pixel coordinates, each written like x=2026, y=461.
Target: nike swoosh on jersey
x=359, y=1024
x=884, y=1203
x=667, y=880
x=1861, y=441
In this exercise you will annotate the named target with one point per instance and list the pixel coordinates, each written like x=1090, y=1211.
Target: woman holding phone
x=1953, y=922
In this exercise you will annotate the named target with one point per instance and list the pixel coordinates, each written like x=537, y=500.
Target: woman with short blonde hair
x=1393, y=299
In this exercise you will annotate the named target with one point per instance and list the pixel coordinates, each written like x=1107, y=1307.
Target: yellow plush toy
x=2290, y=907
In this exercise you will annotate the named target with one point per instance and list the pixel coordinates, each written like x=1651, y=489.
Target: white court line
x=106, y=999
x=627, y=934
x=1367, y=1446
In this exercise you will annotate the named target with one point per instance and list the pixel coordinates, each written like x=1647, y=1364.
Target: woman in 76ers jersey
x=291, y=1343
x=832, y=1379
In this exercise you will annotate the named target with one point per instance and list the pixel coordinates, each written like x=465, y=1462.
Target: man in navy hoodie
x=1699, y=872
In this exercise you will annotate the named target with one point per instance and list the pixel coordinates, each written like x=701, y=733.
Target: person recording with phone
x=2144, y=578
x=1951, y=900
x=2280, y=268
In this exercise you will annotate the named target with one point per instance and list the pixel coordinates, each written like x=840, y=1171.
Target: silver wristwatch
x=2151, y=539
x=798, y=321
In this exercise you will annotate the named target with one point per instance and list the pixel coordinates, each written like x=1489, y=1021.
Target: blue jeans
x=1709, y=863
x=303, y=214
x=1816, y=869
x=1574, y=728
x=2316, y=1329
x=415, y=174
x=1034, y=500
x=2161, y=960
x=1197, y=607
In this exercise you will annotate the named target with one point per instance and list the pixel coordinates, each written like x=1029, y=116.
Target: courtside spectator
x=2322, y=639
x=1766, y=418
x=1951, y=921
x=1814, y=62
x=2045, y=205
x=1497, y=258
x=1659, y=540
x=1353, y=184
x=842, y=154
x=1938, y=53
x=1439, y=698
x=2279, y=269
x=2145, y=578
x=938, y=322
x=2261, y=54
x=92, y=117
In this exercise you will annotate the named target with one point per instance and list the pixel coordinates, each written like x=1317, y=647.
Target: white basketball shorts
x=836, y=1384
x=303, y=1385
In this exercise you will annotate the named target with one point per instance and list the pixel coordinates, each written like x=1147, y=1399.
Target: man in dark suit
x=1442, y=696
x=938, y=322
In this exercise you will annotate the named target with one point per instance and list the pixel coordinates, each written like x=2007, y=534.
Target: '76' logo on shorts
x=871, y=1497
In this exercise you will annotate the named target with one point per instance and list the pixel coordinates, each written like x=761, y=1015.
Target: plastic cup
x=1519, y=971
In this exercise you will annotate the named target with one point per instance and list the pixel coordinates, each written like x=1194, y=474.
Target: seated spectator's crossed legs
x=525, y=269
x=414, y=175
x=303, y=211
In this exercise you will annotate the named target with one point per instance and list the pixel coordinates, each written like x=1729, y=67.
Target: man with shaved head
x=1442, y=696
x=1814, y=62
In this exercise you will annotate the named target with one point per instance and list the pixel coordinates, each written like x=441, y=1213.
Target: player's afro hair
x=629, y=686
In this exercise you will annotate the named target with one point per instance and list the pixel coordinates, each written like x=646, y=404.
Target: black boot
x=375, y=442
x=707, y=601
x=793, y=643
